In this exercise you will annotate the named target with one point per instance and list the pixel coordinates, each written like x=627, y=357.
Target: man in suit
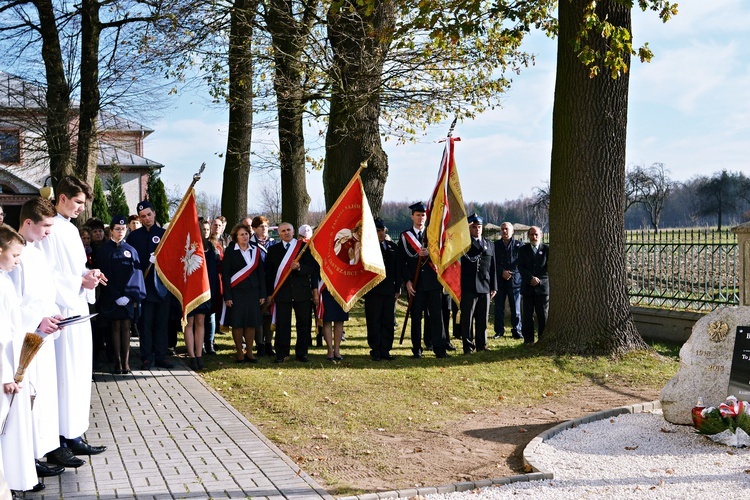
x=297, y=293
x=507, y=250
x=532, y=263
x=380, y=301
x=478, y=287
x=423, y=288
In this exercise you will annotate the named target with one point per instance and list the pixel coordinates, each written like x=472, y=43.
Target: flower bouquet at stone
x=728, y=424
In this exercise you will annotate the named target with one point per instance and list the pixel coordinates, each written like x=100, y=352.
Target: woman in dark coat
x=125, y=287
x=244, y=283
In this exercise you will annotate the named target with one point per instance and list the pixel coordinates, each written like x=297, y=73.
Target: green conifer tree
x=116, y=201
x=99, y=207
x=157, y=195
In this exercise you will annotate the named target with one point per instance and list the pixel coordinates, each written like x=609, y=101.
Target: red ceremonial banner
x=180, y=260
x=346, y=246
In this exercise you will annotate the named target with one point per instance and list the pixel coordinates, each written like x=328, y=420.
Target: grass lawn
x=324, y=406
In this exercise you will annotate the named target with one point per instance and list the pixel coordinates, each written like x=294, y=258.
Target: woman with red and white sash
x=244, y=291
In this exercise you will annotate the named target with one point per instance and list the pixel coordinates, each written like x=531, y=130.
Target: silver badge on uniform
x=127, y=254
x=155, y=239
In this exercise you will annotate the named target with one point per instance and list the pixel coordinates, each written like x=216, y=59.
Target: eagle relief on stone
x=717, y=331
x=191, y=261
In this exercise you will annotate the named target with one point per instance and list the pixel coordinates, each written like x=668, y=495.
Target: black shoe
x=37, y=488
x=170, y=351
x=269, y=350
x=416, y=355
x=163, y=363
x=338, y=358
x=388, y=357
x=428, y=347
x=211, y=352
x=450, y=347
x=48, y=470
x=376, y=358
x=303, y=359
x=199, y=362
x=443, y=355
x=517, y=336
x=65, y=457
x=250, y=360
x=468, y=351
x=146, y=365
x=278, y=360
x=498, y=336
x=83, y=448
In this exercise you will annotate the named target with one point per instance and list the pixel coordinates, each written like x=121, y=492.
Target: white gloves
x=152, y=258
x=122, y=301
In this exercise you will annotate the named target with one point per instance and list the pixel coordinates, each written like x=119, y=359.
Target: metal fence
x=687, y=269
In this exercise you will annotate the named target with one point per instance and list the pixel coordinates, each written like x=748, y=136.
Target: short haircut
x=37, y=209
x=72, y=186
x=259, y=220
x=222, y=219
x=236, y=229
x=132, y=218
x=8, y=236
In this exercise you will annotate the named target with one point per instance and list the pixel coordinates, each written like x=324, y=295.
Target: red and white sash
x=246, y=271
x=411, y=240
x=284, y=269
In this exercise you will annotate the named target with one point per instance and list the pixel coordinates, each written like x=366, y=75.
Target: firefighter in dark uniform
x=478, y=287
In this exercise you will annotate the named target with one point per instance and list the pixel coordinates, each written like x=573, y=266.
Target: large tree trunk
x=359, y=41
x=589, y=306
x=87, y=147
x=57, y=133
x=289, y=37
x=240, y=100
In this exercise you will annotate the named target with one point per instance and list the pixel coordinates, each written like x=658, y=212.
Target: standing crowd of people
x=257, y=284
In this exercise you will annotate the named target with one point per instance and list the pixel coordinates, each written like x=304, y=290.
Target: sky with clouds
x=689, y=109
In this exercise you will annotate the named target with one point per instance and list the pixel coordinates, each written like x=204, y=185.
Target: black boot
x=269, y=350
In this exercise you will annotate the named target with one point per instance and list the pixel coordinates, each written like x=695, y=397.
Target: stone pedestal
x=705, y=363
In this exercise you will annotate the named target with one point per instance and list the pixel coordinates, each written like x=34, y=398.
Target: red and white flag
x=180, y=257
x=447, y=228
x=346, y=246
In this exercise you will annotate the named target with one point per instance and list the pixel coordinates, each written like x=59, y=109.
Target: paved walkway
x=170, y=436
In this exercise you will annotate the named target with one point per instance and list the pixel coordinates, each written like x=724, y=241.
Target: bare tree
x=268, y=199
x=659, y=187
x=636, y=185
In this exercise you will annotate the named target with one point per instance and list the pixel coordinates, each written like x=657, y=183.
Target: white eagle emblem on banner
x=191, y=262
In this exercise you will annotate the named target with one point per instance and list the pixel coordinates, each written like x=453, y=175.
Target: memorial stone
x=705, y=364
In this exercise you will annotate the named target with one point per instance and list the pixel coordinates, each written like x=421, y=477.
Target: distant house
x=24, y=167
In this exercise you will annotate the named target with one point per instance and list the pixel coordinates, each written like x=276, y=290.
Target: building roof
x=19, y=93
x=16, y=93
x=109, y=155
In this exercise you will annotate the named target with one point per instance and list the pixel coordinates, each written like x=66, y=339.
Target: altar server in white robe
x=40, y=313
x=16, y=442
x=75, y=286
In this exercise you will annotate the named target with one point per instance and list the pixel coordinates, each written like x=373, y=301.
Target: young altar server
x=75, y=286
x=15, y=406
x=31, y=279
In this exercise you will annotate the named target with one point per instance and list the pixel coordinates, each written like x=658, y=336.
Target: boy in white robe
x=16, y=440
x=31, y=279
x=75, y=285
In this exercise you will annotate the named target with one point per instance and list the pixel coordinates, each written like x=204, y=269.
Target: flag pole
x=419, y=261
x=196, y=178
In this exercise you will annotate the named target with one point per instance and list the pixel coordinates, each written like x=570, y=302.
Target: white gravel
x=637, y=455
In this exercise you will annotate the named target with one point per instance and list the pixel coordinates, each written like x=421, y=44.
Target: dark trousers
x=475, y=309
x=429, y=304
x=264, y=334
x=513, y=296
x=153, y=331
x=303, y=318
x=534, y=304
x=380, y=316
